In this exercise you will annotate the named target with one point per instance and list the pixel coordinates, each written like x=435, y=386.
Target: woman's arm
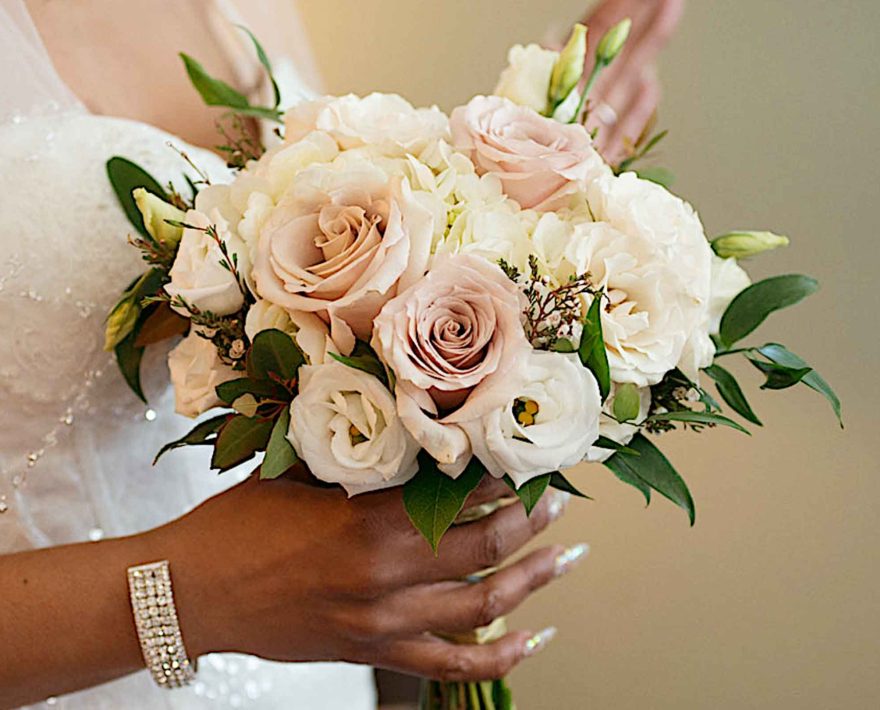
x=285, y=571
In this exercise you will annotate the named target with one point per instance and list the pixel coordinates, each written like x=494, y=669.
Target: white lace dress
x=75, y=444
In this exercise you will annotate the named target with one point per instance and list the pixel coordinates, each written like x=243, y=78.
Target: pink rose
x=340, y=243
x=540, y=161
x=453, y=342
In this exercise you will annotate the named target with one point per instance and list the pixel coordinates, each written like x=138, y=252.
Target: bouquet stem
x=484, y=695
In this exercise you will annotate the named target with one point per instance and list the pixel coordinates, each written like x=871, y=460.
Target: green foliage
x=264, y=60
x=752, y=306
x=662, y=176
x=364, y=358
x=651, y=469
x=603, y=442
x=204, y=433
x=732, y=393
x=128, y=358
x=239, y=440
x=433, y=500
x=591, y=349
x=280, y=455
x=561, y=483
x=274, y=356
x=626, y=402
x=231, y=390
x=531, y=491
x=708, y=418
x=125, y=177
x=779, y=377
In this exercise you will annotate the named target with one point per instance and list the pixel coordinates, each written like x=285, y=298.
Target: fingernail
x=570, y=557
x=557, y=504
x=539, y=640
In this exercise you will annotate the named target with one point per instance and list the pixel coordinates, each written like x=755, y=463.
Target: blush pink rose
x=539, y=161
x=453, y=341
x=339, y=244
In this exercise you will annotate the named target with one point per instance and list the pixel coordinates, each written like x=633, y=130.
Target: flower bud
x=120, y=323
x=740, y=245
x=569, y=67
x=613, y=41
x=155, y=212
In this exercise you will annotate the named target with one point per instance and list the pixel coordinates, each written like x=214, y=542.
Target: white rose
x=308, y=331
x=621, y=432
x=526, y=78
x=198, y=275
x=548, y=423
x=344, y=425
x=386, y=122
x=196, y=370
x=263, y=315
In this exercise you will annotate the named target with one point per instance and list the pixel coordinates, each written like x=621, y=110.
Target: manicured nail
x=557, y=504
x=540, y=640
x=570, y=557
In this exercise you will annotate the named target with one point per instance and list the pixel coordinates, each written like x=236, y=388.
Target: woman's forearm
x=65, y=617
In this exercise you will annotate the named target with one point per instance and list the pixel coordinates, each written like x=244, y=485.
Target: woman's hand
x=626, y=95
x=292, y=572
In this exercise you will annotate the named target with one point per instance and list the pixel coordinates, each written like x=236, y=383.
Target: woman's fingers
x=434, y=658
x=463, y=606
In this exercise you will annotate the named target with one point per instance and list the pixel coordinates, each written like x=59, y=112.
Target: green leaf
x=531, y=491
x=216, y=92
x=623, y=472
x=231, y=390
x=433, y=500
x=561, y=483
x=779, y=377
x=662, y=176
x=731, y=393
x=239, y=439
x=697, y=418
x=264, y=60
x=626, y=402
x=129, y=355
x=563, y=345
x=592, y=347
x=782, y=356
x=502, y=695
x=280, y=455
x=603, y=442
x=125, y=177
x=364, y=358
x=273, y=351
x=199, y=435
x=654, y=469
x=752, y=306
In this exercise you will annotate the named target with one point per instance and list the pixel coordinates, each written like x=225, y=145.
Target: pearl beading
x=155, y=616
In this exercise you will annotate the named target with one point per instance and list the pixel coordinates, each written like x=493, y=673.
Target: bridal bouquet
x=388, y=296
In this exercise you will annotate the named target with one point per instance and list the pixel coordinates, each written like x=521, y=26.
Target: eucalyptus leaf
x=591, y=349
x=561, y=483
x=273, y=352
x=783, y=356
x=697, y=418
x=752, y=306
x=779, y=377
x=531, y=491
x=239, y=440
x=199, y=435
x=433, y=500
x=364, y=358
x=280, y=454
x=216, y=92
x=125, y=177
x=731, y=393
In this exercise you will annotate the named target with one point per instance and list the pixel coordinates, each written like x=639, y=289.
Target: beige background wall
x=771, y=601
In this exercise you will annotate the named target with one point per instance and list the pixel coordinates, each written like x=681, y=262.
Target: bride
x=282, y=572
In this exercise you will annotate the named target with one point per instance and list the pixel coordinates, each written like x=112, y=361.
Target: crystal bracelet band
x=155, y=617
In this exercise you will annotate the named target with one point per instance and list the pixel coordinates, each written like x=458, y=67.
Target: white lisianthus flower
x=621, y=432
x=549, y=422
x=196, y=370
x=526, y=78
x=728, y=280
x=344, y=425
x=198, y=275
x=386, y=122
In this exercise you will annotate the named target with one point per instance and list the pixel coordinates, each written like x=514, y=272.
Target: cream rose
x=455, y=344
x=540, y=161
x=196, y=370
x=344, y=425
x=386, y=122
x=547, y=423
x=198, y=275
x=340, y=243
x=526, y=78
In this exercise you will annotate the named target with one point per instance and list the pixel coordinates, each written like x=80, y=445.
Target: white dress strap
x=29, y=83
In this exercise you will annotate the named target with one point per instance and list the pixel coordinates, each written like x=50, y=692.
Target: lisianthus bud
x=569, y=67
x=613, y=41
x=156, y=212
x=120, y=323
x=740, y=245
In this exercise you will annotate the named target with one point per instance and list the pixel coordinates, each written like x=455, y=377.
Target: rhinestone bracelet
x=155, y=617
